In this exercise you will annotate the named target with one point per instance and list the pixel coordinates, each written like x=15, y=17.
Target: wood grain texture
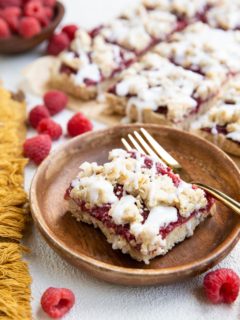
x=17, y=44
x=86, y=247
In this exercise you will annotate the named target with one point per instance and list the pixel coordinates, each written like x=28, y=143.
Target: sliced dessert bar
x=221, y=124
x=89, y=61
x=183, y=9
x=211, y=52
x=140, y=205
x=100, y=54
x=138, y=29
x=156, y=90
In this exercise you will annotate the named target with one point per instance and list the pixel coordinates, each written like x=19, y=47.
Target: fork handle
x=228, y=201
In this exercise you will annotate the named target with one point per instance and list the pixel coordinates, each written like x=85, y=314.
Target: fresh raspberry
x=56, y=302
x=55, y=101
x=37, y=148
x=49, y=3
x=37, y=114
x=10, y=3
x=4, y=29
x=70, y=31
x=11, y=15
x=50, y=127
x=34, y=9
x=78, y=124
x=29, y=27
x=58, y=43
x=48, y=12
x=221, y=286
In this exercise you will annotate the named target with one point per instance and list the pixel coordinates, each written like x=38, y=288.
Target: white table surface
x=96, y=299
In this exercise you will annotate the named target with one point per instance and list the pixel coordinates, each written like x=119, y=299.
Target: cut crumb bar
x=88, y=62
x=211, y=52
x=140, y=205
x=183, y=9
x=156, y=90
x=138, y=29
x=221, y=124
x=225, y=15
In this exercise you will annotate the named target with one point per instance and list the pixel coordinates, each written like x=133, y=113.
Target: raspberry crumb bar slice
x=221, y=124
x=140, y=205
x=88, y=63
x=156, y=90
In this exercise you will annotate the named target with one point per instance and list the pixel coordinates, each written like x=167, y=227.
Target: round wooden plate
x=17, y=44
x=87, y=248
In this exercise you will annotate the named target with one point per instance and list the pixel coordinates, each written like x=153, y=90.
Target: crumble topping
x=225, y=15
x=200, y=48
x=182, y=8
x=94, y=59
x=156, y=82
x=95, y=186
x=137, y=28
x=224, y=116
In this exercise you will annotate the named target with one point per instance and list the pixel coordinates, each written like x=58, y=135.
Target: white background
x=96, y=299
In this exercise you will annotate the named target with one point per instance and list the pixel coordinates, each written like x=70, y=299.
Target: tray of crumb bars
x=164, y=62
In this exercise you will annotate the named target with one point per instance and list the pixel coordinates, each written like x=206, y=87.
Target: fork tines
x=146, y=144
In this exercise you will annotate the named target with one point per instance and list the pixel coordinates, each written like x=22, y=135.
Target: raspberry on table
x=29, y=27
x=10, y=3
x=55, y=101
x=78, y=124
x=34, y=9
x=37, y=148
x=58, y=43
x=12, y=16
x=50, y=127
x=56, y=302
x=4, y=29
x=70, y=30
x=221, y=286
x=37, y=114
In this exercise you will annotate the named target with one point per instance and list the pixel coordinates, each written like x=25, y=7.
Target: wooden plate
x=86, y=247
x=17, y=44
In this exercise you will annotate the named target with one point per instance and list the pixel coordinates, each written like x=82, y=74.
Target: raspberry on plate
x=56, y=302
x=55, y=101
x=70, y=30
x=50, y=127
x=4, y=29
x=221, y=286
x=37, y=148
x=37, y=114
x=29, y=27
x=58, y=43
x=78, y=124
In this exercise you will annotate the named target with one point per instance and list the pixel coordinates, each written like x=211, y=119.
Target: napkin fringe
x=15, y=279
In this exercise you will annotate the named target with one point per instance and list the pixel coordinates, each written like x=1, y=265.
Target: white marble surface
x=96, y=299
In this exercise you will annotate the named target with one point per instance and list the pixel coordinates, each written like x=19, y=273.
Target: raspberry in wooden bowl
x=29, y=31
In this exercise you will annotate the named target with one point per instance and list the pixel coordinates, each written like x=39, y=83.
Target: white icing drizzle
x=90, y=71
x=156, y=82
x=125, y=210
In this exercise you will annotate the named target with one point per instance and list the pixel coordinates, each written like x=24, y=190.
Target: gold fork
x=146, y=144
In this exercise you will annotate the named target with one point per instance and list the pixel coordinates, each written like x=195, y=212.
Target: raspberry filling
x=102, y=213
x=220, y=129
x=122, y=64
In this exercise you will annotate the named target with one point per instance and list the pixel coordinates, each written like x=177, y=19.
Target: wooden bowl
x=86, y=248
x=17, y=44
